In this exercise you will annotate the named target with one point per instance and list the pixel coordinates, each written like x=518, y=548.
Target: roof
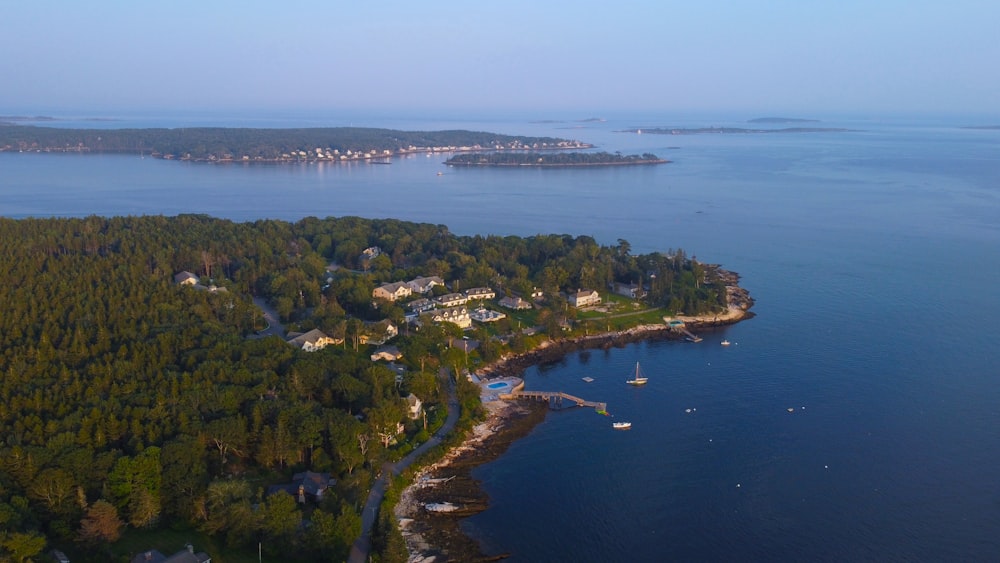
x=309, y=337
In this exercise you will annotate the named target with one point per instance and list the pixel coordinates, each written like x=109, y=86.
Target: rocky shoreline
x=442, y=494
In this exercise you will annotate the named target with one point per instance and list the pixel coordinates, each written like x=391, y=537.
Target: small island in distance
x=717, y=130
x=563, y=159
x=782, y=120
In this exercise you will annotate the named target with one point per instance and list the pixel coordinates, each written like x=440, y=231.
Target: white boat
x=621, y=425
x=639, y=378
x=725, y=343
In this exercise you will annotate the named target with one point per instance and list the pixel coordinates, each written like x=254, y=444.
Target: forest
x=553, y=159
x=230, y=143
x=130, y=403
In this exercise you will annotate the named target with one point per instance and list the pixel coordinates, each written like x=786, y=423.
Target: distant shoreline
x=555, y=165
x=731, y=130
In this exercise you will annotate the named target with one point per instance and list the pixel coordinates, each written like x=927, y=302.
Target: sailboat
x=639, y=378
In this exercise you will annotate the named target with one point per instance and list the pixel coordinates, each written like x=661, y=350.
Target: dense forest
x=129, y=402
x=553, y=159
x=222, y=143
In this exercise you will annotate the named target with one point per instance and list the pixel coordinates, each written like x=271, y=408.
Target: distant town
x=218, y=144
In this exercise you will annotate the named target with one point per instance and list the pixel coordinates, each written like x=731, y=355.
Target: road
x=361, y=547
x=274, y=325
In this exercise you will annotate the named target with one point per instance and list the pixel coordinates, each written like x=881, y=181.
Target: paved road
x=361, y=547
x=274, y=325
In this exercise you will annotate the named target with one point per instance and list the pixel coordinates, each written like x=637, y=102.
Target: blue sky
x=770, y=57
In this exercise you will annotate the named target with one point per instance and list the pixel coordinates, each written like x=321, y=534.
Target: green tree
x=21, y=547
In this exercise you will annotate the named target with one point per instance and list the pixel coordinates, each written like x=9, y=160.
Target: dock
x=555, y=399
x=678, y=325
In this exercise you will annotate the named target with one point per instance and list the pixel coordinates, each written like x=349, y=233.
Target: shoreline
x=447, y=486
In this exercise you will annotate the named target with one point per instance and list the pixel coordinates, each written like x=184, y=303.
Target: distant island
x=717, y=130
x=988, y=127
x=562, y=159
x=221, y=144
x=782, y=120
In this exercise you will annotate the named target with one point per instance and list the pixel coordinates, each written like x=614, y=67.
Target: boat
x=621, y=425
x=639, y=378
x=725, y=343
x=588, y=379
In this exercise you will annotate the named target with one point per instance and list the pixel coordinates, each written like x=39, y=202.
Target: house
x=392, y=291
x=537, y=294
x=388, y=353
x=515, y=303
x=420, y=305
x=585, y=298
x=311, y=341
x=485, y=315
x=424, y=285
x=370, y=252
x=187, y=555
x=457, y=315
x=451, y=300
x=628, y=290
x=185, y=278
x=480, y=293
x=378, y=333
x=305, y=485
x=413, y=406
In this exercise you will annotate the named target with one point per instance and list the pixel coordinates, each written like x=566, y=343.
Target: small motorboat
x=725, y=343
x=621, y=425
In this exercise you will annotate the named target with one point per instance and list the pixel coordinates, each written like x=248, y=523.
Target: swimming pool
x=498, y=385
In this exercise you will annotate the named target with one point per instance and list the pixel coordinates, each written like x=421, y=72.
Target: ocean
x=873, y=256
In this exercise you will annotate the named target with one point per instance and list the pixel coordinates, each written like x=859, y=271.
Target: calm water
x=874, y=258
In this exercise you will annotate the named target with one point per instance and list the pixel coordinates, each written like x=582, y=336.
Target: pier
x=678, y=325
x=555, y=399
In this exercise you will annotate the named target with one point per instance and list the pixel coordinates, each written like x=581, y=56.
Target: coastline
x=446, y=485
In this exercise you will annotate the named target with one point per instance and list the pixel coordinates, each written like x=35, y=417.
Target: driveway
x=361, y=547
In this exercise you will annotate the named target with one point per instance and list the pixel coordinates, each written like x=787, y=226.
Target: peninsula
x=559, y=159
x=248, y=145
x=232, y=380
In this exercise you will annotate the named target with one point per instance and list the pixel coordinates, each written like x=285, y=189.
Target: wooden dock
x=555, y=399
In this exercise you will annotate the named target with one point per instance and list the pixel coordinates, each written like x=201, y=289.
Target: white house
x=451, y=299
x=515, y=303
x=392, y=291
x=585, y=298
x=480, y=293
x=485, y=315
x=388, y=353
x=311, y=341
x=420, y=305
x=185, y=278
x=457, y=315
x=413, y=406
x=424, y=285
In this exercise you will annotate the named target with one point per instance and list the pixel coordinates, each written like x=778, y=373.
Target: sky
x=771, y=57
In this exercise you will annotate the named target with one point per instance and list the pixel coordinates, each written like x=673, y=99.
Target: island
x=558, y=159
x=249, y=145
x=781, y=120
x=730, y=130
x=259, y=385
